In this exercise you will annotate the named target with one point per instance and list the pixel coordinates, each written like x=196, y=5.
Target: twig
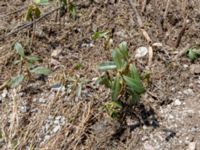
x=33, y=22
x=144, y=32
x=166, y=10
x=137, y=14
x=144, y=6
x=183, y=51
x=165, y=14
x=181, y=33
x=16, y=11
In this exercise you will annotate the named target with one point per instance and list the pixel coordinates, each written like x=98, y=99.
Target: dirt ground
x=38, y=116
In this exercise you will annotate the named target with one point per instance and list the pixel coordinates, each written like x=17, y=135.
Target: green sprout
x=122, y=78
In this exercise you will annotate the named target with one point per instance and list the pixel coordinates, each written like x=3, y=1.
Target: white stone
x=185, y=65
x=188, y=92
x=192, y=146
x=177, y=102
x=42, y=100
x=57, y=122
x=23, y=109
x=56, y=52
x=58, y=117
x=171, y=117
x=4, y=94
x=147, y=146
x=47, y=137
x=56, y=128
x=141, y=52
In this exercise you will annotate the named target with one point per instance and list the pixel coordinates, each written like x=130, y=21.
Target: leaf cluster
x=28, y=63
x=122, y=78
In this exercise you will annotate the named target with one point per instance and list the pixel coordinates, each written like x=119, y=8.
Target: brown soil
x=169, y=111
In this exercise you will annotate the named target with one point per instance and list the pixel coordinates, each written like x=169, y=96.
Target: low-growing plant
x=103, y=35
x=28, y=63
x=194, y=53
x=122, y=77
x=34, y=12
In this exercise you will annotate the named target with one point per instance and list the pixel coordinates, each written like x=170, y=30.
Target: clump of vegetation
x=122, y=77
x=194, y=53
x=103, y=35
x=34, y=12
x=27, y=66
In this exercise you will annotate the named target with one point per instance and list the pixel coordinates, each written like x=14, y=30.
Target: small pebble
x=141, y=52
x=192, y=146
x=147, y=146
x=188, y=92
x=47, y=137
x=57, y=122
x=42, y=100
x=4, y=94
x=23, y=109
x=177, y=102
x=56, y=128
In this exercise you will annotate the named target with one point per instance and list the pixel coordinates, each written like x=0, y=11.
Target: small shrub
x=193, y=53
x=27, y=62
x=122, y=77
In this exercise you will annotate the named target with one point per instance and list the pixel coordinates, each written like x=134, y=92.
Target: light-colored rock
x=47, y=137
x=57, y=122
x=42, y=100
x=177, y=102
x=188, y=92
x=121, y=34
x=195, y=69
x=147, y=146
x=5, y=93
x=56, y=52
x=56, y=128
x=141, y=52
x=192, y=146
x=23, y=109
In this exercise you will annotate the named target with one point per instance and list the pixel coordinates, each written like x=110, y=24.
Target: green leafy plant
x=27, y=62
x=193, y=53
x=103, y=35
x=41, y=2
x=122, y=77
x=32, y=13
x=100, y=34
x=75, y=84
x=72, y=9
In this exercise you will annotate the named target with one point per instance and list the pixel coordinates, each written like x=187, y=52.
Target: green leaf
x=109, y=65
x=193, y=54
x=116, y=87
x=15, y=81
x=113, y=108
x=119, y=59
x=37, y=12
x=104, y=81
x=123, y=49
x=20, y=50
x=100, y=34
x=33, y=58
x=134, y=85
x=72, y=10
x=29, y=14
x=41, y=2
x=133, y=72
x=40, y=71
x=33, y=12
x=134, y=98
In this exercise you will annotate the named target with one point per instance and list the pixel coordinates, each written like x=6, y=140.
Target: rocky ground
x=45, y=112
